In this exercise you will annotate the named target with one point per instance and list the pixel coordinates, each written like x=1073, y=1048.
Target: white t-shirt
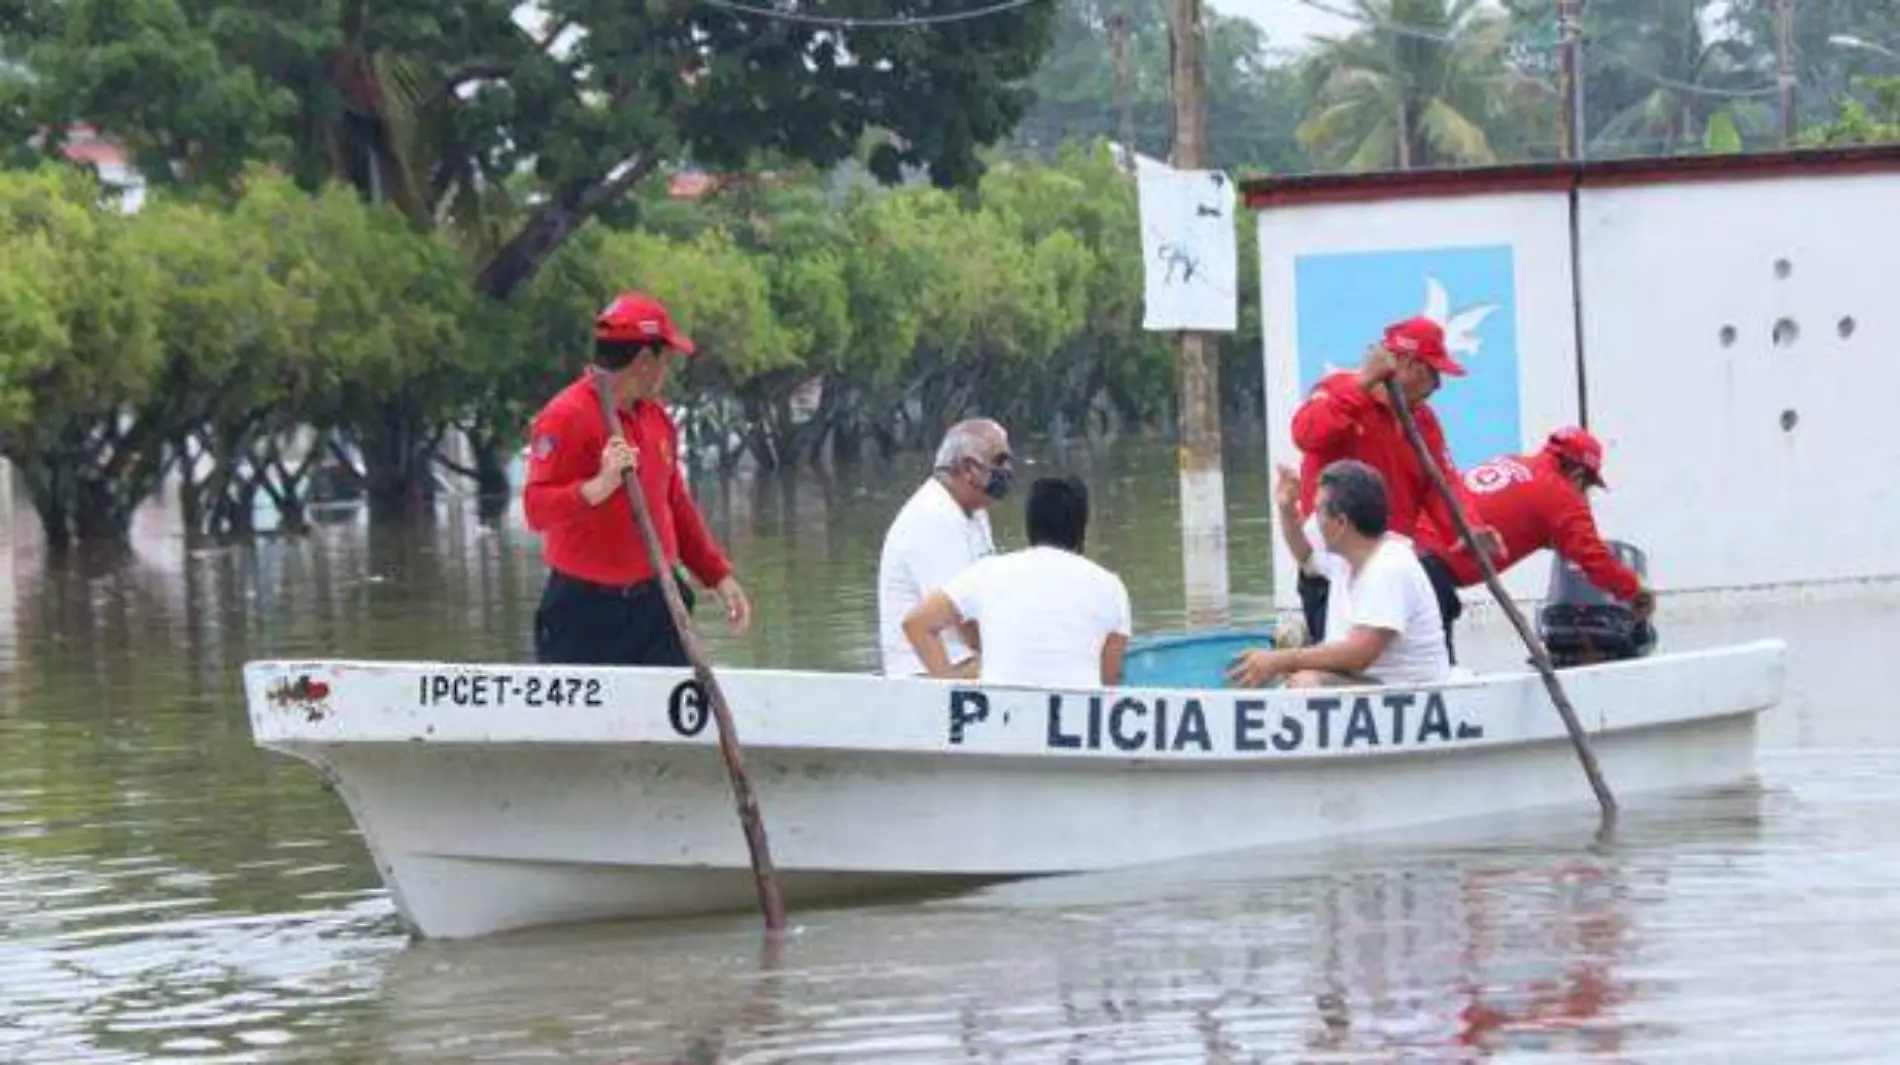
x=1337, y=572
x=1044, y=613
x=1390, y=592
x=930, y=541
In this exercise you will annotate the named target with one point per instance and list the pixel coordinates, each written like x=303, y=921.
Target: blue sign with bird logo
x=1345, y=299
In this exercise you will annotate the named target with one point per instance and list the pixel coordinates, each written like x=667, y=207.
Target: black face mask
x=998, y=485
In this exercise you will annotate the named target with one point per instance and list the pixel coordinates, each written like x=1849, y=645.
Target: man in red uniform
x=1540, y=500
x=1348, y=415
x=602, y=604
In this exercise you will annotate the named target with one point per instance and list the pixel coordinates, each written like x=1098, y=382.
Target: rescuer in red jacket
x=1540, y=500
x=602, y=604
x=1348, y=415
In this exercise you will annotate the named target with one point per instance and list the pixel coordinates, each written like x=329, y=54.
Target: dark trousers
x=1450, y=607
x=581, y=623
x=1314, y=592
x=1313, y=604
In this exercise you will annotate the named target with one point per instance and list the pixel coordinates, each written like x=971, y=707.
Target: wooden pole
x=749, y=817
x=1539, y=656
x=1784, y=70
x=1569, y=100
x=1203, y=493
x=1124, y=103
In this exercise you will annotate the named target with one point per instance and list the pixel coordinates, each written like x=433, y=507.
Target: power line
x=1689, y=87
x=847, y=21
x=1411, y=30
x=1404, y=29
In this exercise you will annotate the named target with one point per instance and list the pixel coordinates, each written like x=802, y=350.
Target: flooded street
x=169, y=893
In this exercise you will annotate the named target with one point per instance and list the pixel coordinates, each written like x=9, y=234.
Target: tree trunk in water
x=101, y=514
x=46, y=491
x=397, y=460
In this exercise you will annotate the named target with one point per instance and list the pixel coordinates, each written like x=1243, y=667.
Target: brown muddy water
x=168, y=893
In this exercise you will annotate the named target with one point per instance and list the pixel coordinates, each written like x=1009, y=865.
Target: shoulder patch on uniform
x=542, y=447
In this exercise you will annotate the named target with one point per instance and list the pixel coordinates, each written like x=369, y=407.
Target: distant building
x=85, y=144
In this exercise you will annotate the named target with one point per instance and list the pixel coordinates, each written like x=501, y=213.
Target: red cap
x=1576, y=445
x=638, y=317
x=1422, y=339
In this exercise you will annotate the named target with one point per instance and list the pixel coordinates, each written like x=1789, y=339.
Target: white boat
x=498, y=797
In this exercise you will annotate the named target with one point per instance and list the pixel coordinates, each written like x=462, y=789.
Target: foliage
x=252, y=346
x=1422, y=85
x=1253, y=104
x=1860, y=123
x=438, y=107
x=908, y=224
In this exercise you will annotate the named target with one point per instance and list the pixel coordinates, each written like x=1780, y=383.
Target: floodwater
x=170, y=893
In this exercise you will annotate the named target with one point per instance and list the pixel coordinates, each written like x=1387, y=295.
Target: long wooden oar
x=1539, y=656
x=749, y=817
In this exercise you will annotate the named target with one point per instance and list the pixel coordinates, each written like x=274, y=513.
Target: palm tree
x=1419, y=86
x=1685, y=85
x=380, y=115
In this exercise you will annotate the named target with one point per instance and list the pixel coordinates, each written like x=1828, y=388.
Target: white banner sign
x=1188, y=250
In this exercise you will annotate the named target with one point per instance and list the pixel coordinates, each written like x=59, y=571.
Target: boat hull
x=485, y=817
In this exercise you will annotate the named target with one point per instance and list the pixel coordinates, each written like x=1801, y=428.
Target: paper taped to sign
x=1188, y=250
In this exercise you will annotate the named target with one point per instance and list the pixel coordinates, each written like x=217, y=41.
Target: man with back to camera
x=1051, y=617
x=602, y=604
x=1541, y=500
x=1397, y=635
x=1348, y=415
x=942, y=528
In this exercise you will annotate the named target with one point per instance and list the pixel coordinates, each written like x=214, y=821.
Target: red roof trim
x=1308, y=189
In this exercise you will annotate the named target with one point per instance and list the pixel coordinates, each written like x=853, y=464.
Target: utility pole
x=1784, y=69
x=1197, y=372
x=1569, y=80
x=1124, y=105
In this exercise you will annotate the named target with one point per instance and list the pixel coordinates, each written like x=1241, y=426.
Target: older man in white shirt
x=943, y=528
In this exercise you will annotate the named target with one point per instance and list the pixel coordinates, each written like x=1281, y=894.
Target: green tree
x=424, y=102
x=1253, y=106
x=1859, y=123
x=1419, y=86
x=230, y=337
x=1826, y=68
x=83, y=356
x=1667, y=85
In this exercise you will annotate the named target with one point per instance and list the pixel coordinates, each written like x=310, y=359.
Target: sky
x=1291, y=24
x=1287, y=23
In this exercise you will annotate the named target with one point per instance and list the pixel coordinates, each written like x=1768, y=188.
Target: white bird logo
x=1461, y=329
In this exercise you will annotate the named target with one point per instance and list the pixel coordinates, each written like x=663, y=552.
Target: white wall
x=1704, y=477
x=1508, y=249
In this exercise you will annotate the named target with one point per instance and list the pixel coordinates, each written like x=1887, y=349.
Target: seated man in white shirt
x=1314, y=561
x=1394, y=633
x=943, y=528
x=1050, y=617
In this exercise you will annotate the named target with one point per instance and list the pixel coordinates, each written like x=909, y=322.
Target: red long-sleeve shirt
x=1341, y=420
x=1529, y=501
x=602, y=543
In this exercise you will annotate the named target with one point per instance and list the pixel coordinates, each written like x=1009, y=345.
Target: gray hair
x=1356, y=492
x=968, y=439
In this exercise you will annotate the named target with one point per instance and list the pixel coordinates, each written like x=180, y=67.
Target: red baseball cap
x=638, y=317
x=1576, y=445
x=1422, y=339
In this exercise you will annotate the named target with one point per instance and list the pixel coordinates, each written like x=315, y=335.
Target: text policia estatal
x=1317, y=723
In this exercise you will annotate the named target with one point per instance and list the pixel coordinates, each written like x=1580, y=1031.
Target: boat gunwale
x=1766, y=655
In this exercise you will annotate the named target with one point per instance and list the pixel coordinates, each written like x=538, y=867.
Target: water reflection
x=1368, y=954
x=168, y=892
